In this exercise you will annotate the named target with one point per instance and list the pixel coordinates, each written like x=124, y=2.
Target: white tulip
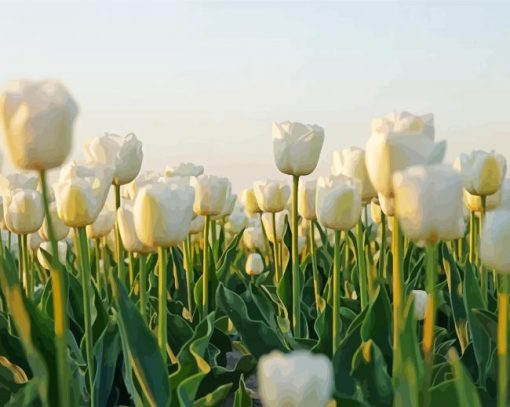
x=495, y=240
x=60, y=229
x=18, y=180
x=271, y=196
x=46, y=246
x=228, y=207
x=197, y=225
x=296, y=379
x=210, y=194
x=250, y=202
x=23, y=211
x=237, y=221
x=474, y=202
x=163, y=214
x=376, y=212
x=297, y=147
x=398, y=141
x=146, y=177
x=482, y=172
x=103, y=225
x=351, y=163
x=421, y=298
x=280, y=223
x=124, y=154
x=387, y=205
x=126, y=224
x=34, y=241
x=338, y=202
x=428, y=203
x=253, y=238
x=38, y=122
x=254, y=264
x=306, y=199
x=184, y=170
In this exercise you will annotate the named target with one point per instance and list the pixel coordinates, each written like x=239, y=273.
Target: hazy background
x=202, y=82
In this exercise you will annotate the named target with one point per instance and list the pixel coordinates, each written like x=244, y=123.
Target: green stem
x=315, y=271
x=483, y=271
x=266, y=242
x=142, y=281
x=85, y=286
x=189, y=273
x=472, y=237
x=131, y=269
x=213, y=239
x=205, y=270
x=106, y=266
x=121, y=269
x=296, y=277
x=162, y=295
x=398, y=286
x=503, y=362
x=337, y=282
x=362, y=267
x=59, y=305
x=9, y=238
x=382, y=248
x=275, y=250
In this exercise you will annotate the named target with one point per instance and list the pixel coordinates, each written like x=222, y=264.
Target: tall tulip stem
x=472, y=237
x=484, y=275
x=276, y=257
x=315, y=271
x=382, y=248
x=296, y=277
x=59, y=304
x=398, y=283
x=337, y=282
x=162, y=294
x=121, y=269
x=85, y=286
x=189, y=273
x=142, y=283
x=205, y=270
x=430, y=319
x=362, y=267
x=503, y=320
x=28, y=282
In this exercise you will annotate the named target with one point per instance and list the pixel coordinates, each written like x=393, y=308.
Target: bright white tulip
x=124, y=154
x=421, y=298
x=254, y=264
x=210, y=194
x=351, y=163
x=271, y=196
x=60, y=229
x=296, y=379
x=103, y=225
x=197, y=225
x=250, y=202
x=398, y=141
x=297, y=147
x=126, y=222
x=482, y=172
x=38, y=122
x=494, y=241
x=338, y=202
x=184, y=170
x=428, y=203
x=280, y=222
x=253, y=238
x=46, y=246
x=306, y=199
x=163, y=214
x=23, y=211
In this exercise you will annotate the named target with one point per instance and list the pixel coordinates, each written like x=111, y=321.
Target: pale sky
x=203, y=81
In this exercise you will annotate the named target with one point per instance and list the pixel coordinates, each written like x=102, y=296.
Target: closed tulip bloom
x=23, y=211
x=253, y=238
x=146, y=177
x=281, y=223
x=124, y=154
x=250, y=202
x=228, y=207
x=482, y=172
x=17, y=181
x=494, y=241
x=398, y=141
x=126, y=222
x=271, y=196
x=387, y=205
x=46, y=246
x=163, y=214
x=237, y=221
x=474, y=202
x=428, y=203
x=338, y=202
x=197, y=225
x=184, y=170
x=38, y=122
x=254, y=264
x=296, y=379
x=34, y=241
x=297, y=147
x=351, y=163
x=421, y=299
x=375, y=212
x=103, y=225
x=210, y=194
x=306, y=199
x=81, y=193
x=60, y=229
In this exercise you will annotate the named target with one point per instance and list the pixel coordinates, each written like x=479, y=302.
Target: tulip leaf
x=444, y=394
x=228, y=256
x=466, y=390
x=242, y=397
x=489, y=323
x=213, y=399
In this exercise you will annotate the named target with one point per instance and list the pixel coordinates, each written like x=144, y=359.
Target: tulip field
x=383, y=283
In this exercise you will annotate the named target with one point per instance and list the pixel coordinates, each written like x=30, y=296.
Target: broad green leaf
x=242, y=397
x=214, y=398
x=466, y=390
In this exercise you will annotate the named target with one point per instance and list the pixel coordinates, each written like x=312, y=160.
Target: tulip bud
x=103, y=225
x=421, y=299
x=253, y=238
x=38, y=122
x=271, y=195
x=123, y=154
x=184, y=170
x=428, y=203
x=351, y=163
x=250, y=202
x=46, y=246
x=237, y=221
x=34, y=241
x=494, y=241
x=398, y=141
x=306, y=199
x=23, y=211
x=210, y=194
x=126, y=222
x=297, y=147
x=296, y=379
x=59, y=228
x=280, y=222
x=254, y=264
x=387, y=205
x=338, y=202
x=163, y=214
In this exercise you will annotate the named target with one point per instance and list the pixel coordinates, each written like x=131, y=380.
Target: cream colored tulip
x=46, y=246
x=123, y=154
x=163, y=214
x=482, y=172
x=280, y=223
x=254, y=264
x=376, y=212
x=23, y=211
x=495, y=239
x=351, y=163
x=237, y=221
x=306, y=199
x=474, y=202
x=228, y=207
x=296, y=379
x=184, y=170
x=18, y=180
x=34, y=241
x=60, y=229
x=197, y=225
x=398, y=141
x=38, y=122
x=146, y=177
x=297, y=147
x=387, y=205
x=253, y=238
x=103, y=225
x=338, y=202
x=428, y=203
x=250, y=202
x=210, y=194
x=81, y=193
x=271, y=196
x=126, y=224
x=421, y=298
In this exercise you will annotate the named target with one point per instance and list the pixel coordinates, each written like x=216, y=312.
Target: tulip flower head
x=126, y=222
x=46, y=246
x=306, y=199
x=38, y=122
x=253, y=238
x=60, y=229
x=139, y=182
x=197, y=225
x=23, y=211
x=297, y=147
x=103, y=225
x=280, y=222
x=271, y=196
x=421, y=299
x=17, y=181
x=211, y=193
x=494, y=241
x=34, y=241
x=250, y=202
x=375, y=212
x=237, y=221
x=474, y=202
x=184, y=170
x=254, y=264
